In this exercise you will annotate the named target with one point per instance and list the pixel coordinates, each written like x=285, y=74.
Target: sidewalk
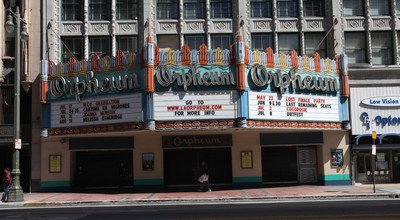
x=272, y=193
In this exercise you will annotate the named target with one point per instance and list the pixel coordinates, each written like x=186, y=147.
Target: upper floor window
x=127, y=43
x=313, y=8
x=381, y=44
x=353, y=8
x=193, y=9
x=288, y=42
x=312, y=41
x=127, y=9
x=99, y=9
x=221, y=8
x=379, y=7
x=287, y=8
x=261, y=8
x=261, y=41
x=222, y=41
x=72, y=47
x=167, y=9
x=100, y=46
x=398, y=7
x=355, y=47
x=71, y=10
x=194, y=41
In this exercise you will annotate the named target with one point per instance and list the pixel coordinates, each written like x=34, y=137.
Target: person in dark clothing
x=122, y=174
x=205, y=171
x=6, y=184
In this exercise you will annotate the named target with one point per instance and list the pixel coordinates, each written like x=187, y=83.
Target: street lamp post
x=16, y=194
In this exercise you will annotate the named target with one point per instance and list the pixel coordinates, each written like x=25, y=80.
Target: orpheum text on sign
x=293, y=107
x=98, y=110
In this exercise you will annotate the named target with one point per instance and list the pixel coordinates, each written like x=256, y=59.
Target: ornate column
x=301, y=27
x=86, y=29
x=113, y=38
x=274, y=26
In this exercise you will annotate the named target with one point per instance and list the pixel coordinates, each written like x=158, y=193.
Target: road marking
x=126, y=197
x=149, y=197
x=243, y=193
x=262, y=190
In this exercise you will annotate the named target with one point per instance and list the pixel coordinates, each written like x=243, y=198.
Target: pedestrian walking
x=204, y=178
x=6, y=184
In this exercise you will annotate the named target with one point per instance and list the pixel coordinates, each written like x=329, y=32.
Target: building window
x=312, y=40
x=221, y=8
x=99, y=9
x=313, y=8
x=287, y=8
x=379, y=7
x=194, y=41
x=398, y=7
x=222, y=41
x=127, y=9
x=355, y=47
x=381, y=44
x=167, y=9
x=288, y=42
x=261, y=8
x=170, y=41
x=261, y=41
x=194, y=9
x=72, y=47
x=398, y=44
x=127, y=44
x=71, y=10
x=353, y=8
x=100, y=46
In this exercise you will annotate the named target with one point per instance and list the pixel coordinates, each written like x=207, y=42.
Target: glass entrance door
x=396, y=166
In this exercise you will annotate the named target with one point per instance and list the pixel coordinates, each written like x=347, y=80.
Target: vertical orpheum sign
x=240, y=54
x=149, y=63
x=44, y=86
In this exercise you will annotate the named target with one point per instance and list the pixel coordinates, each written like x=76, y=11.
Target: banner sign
x=195, y=105
x=384, y=101
x=293, y=107
x=281, y=80
x=185, y=77
x=197, y=140
x=93, y=84
x=97, y=110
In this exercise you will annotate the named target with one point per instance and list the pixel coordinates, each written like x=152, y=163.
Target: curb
x=200, y=201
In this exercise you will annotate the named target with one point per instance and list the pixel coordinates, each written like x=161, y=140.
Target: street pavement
x=302, y=192
x=300, y=209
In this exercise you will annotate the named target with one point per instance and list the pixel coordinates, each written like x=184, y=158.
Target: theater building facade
x=256, y=117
